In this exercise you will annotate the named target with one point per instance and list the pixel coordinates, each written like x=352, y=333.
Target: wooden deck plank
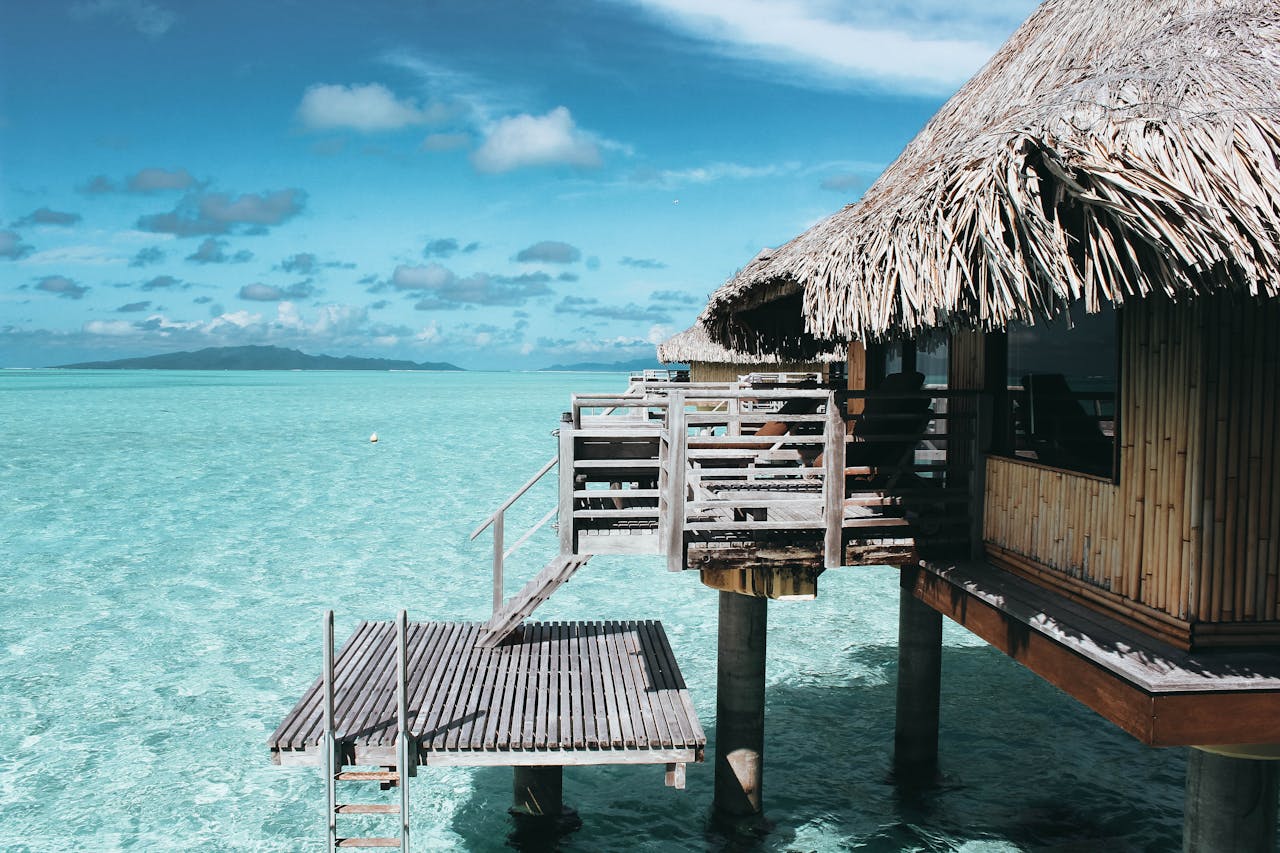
x=416, y=640
x=360, y=691
x=680, y=696
x=425, y=697
x=343, y=677
x=516, y=726
x=563, y=736
x=422, y=670
x=681, y=732
x=653, y=686
x=630, y=690
x=549, y=733
x=523, y=738
x=497, y=698
x=641, y=685
x=502, y=719
x=615, y=692
x=452, y=674
x=560, y=692
x=587, y=680
x=460, y=696
x=472, y=704
x=613, y=721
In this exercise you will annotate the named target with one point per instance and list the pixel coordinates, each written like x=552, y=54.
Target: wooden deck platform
x=557, y=693
x=1160, y=694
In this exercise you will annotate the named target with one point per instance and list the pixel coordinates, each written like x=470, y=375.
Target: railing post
x=833, y=484
x=565, y=513
x=329, y=744
x=498, y=523
x=677, y=480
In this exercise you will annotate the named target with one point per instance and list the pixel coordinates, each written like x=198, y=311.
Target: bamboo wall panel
x=1191, y=529
x=1238, y=511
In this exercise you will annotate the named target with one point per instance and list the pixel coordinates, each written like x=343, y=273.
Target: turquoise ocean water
x=169, y=540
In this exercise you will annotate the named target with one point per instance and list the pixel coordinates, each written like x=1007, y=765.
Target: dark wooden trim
x=1184, y=634
x=1147, y=619
x=996, y=383
x=1157, y=719
x=877, y=364
x=909, y=359
x=1031, y=463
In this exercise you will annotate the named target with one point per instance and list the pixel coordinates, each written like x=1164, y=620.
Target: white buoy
x=374, y=438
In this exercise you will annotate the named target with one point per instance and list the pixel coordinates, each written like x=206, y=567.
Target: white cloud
x=110, y=328
x=84, y=254
x=807, y=36
x=430, y=334
x=367, y=108
x=529, y=140
x=713, y=172
x=659, y=333
x=429, y=277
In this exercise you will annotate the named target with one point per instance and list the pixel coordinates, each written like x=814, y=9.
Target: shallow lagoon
x=169, y=540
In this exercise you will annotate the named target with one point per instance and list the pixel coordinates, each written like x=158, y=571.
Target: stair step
x=367, y=776
x=368, y=842
x=367, y=808
x=524, y=602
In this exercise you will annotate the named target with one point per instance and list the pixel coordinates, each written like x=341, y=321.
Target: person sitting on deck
x=1058, y=428
x=890, y=426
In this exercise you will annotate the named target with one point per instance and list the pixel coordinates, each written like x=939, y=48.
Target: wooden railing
x=744, y=461
x=497, y=520
x=665, y=464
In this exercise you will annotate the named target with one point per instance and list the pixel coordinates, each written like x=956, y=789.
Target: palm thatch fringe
x=1109, y=150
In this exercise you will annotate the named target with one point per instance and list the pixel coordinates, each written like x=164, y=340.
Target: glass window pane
x=1062, y=391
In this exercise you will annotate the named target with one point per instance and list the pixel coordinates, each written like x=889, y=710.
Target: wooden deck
x=1160, y=694
x=557, y=693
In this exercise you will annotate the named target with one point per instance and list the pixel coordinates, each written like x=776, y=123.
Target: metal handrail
x=515, y=496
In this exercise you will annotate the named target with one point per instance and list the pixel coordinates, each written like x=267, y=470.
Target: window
x=1062, y=381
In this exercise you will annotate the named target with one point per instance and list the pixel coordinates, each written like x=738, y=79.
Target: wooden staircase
x=516, y=609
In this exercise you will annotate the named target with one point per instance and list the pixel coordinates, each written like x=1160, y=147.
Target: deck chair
x=1059, y=429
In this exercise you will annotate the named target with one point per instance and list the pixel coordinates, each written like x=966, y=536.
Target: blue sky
x=500, y=185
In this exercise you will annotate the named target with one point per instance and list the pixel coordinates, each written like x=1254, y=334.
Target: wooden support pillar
x=857, y=375
x=915, y=737
x=1230, y=805
x=740, y=668
x=539, y=790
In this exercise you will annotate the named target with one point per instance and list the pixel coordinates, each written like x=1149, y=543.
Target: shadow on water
x=1023, y=767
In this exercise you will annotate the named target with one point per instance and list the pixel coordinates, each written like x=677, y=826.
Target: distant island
x=256, y=358
x=608, y=367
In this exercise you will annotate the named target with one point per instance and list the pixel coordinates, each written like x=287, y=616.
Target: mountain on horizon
x=255, y=358
x=608, y=367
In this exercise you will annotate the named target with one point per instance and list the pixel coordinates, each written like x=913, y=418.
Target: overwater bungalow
x=1086, y=238
x=712, y=362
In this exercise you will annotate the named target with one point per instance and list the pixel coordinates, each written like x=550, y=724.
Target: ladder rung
x=367, y=776
x=368, y=808
x=368, y=842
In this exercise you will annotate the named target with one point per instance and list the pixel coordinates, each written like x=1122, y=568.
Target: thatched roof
x=1108, y=150
x=694, y=344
